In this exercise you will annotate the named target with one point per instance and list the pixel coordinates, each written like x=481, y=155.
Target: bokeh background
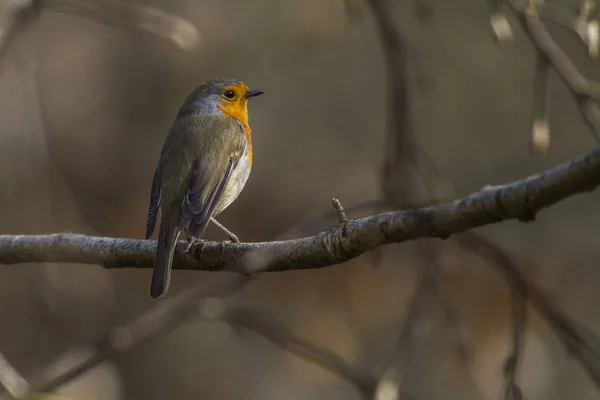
x=85, y=107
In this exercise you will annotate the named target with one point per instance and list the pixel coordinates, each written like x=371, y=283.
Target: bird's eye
x=229, y=94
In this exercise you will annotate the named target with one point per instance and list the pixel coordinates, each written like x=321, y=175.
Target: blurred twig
x=178, y=30
x=500, y=25
x=275, y=332
x=584, y=91
x=400, y=158
x=582, y=345
x=431, y=255
x=518, y=200
x=310, y=222
x=584, y=23
x=424, y=10
x=201, y=301
x=11, y=380
x=18, y=15
x=400, y=155
x=397, y=186
x=539, y=138
x=512, y=391
x=15, y=18
x=389, y=386
x=165, y=316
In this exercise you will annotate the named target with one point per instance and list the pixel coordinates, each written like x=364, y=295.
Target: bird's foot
x=224, y=243
x=232, y=239
x=191, y=242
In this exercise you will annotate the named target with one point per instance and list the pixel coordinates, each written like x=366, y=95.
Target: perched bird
x=203, y=166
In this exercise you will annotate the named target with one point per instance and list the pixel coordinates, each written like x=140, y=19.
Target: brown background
x=85, y=108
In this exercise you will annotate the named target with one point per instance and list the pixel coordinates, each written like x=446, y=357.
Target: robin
x=203, y=166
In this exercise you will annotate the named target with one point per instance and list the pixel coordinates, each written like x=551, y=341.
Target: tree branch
x=203, y=301
x=11, y=380
x=138, y=17
x=583, y=90
x=396, y=178
x=512, y=391
x=168, y=314
x=578, y=341
x=389, y=386
x=277, y=333
x=518, y=200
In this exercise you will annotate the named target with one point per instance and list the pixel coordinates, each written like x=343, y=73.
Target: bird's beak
x=252, y=93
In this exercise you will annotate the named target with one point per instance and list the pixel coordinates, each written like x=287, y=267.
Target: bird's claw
x=192, y=241
x=223, y=243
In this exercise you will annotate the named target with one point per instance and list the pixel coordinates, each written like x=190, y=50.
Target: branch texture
x=518, y=200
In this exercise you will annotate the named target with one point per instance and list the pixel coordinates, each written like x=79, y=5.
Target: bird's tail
x=165, y=248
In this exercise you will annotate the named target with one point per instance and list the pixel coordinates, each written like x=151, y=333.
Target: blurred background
x=85, y=104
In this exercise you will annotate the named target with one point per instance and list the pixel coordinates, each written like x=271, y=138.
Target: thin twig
x=396, y=175
x=400, y=151
x=431, y=252
x=179, y=31
x=313, y=221
x=512, y=391
x=539, y=139
x=518, y=200
x=584, y=91
x=582, y=345
x=500, y=26
x=342, y=218
x=11, y=380
x=201, y=301
x=389, y=386
x=582, y=24
x=278, y=334
x=15, y=19
x=165, y=316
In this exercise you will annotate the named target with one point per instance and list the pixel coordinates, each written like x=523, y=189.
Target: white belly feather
x=236, y=183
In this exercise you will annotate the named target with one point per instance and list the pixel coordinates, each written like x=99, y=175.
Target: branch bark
x=518, y=200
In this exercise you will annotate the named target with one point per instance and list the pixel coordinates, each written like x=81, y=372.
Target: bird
x=203, y=166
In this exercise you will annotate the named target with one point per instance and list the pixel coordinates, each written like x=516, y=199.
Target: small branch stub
x=501, y=28
x=592, y=38
x=587, y=28
x=586, y=9
x=387, y=389
x=12, y=381
x=532, y=7
x=342, y=218
x=539, y=139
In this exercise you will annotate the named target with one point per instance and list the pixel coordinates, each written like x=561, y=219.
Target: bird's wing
x=154, y=204
x=211, y=173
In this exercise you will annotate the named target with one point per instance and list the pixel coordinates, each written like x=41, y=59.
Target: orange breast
x=248, y=134
x=240, y=112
